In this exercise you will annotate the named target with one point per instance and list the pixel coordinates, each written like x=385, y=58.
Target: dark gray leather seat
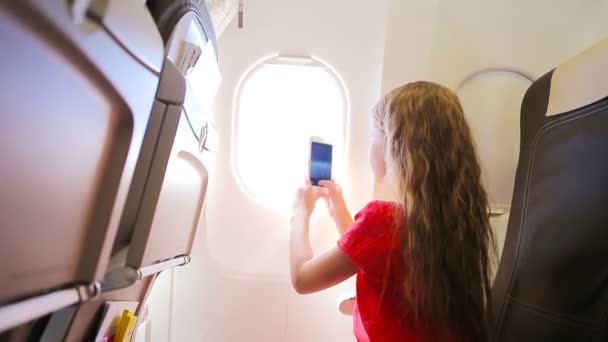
x=552, y=281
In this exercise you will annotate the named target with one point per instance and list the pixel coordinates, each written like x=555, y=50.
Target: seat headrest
x=580, y=81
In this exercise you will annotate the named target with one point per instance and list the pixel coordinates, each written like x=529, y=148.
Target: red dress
x=373, y=244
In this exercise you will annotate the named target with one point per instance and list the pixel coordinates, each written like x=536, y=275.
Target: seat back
x=552, y=281
x=78, y=84
x=167, y=194
x=71, y=129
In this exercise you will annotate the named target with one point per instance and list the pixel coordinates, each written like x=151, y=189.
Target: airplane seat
x=166, y=197
x=78, y=83
x=190, y=28
x=552, y=281
x=175, y=175
x=127, y=278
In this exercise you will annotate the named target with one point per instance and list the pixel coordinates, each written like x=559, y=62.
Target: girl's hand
x=304, y=203
x=337, y=206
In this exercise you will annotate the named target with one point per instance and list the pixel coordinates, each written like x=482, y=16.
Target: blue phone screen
x=320, y=162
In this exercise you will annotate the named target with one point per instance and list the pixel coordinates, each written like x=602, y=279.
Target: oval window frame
x=341, y=162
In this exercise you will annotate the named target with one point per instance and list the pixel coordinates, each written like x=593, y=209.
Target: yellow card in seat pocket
x=125, y=326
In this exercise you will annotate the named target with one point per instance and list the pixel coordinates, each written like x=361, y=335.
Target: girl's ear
x=377, y=157
x=388, y=163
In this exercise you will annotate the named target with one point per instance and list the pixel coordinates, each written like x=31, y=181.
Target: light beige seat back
x=167, y=194
x=75, y=106
x=78, y=80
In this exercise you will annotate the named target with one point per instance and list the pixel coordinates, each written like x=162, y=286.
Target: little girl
x=423, y=261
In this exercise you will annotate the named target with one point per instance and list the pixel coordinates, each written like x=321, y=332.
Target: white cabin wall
x=532, y=35
x=159, y=307
x=409, y=40
x=237, y=287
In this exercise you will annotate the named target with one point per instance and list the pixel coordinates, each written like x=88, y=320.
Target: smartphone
x=320, y=160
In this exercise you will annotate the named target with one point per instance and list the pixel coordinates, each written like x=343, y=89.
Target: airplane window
x=281, y=103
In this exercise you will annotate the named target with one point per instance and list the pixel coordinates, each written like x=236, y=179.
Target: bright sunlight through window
x=282, y=102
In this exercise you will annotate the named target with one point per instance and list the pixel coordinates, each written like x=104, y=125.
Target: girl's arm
x=337, y=206
x=343, y=220
x=311, y=273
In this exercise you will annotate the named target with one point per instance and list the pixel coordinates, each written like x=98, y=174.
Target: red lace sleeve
x=370, y=238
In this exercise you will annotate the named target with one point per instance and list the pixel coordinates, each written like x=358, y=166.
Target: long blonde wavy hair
x=448, y=245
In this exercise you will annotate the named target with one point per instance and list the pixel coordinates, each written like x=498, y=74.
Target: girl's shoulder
x=372, y=236
x=383, y=210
